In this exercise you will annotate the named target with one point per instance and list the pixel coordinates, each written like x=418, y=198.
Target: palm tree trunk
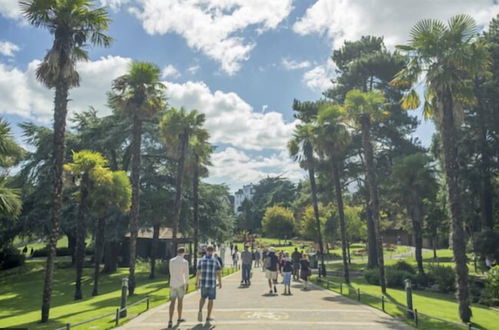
x=110, y=258
x=134, y=212
x=60, y=113
x=416, y=215
x=373, y=194
x=184, y=139
x=195, y=211
x=71, y=245
x=154, y=249
x=313, y=186
x=80, y=235
x=449, y=146
x=343, y=230
x=372, y=247
x=99, y=247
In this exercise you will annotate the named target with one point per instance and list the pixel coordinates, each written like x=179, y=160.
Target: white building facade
x=241, y=195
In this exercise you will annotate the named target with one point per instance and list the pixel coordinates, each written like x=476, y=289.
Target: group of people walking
x=296, y=265
x=208, y=275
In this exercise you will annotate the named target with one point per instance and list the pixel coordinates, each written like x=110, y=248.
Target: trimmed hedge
x=60, y=252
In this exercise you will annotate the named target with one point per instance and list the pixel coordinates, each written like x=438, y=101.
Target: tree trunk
x=343, y=230
x=373, y=194
x=195, y=211
x=71, y=246
x=81, y=234
x=60, y=113
x=154, y=250
x=110, y=258
x=415, y=210
x=313, y=186
x=98, y=249
x=184, y=139
x=372, y=246
x=134, y=212
x=434, y=241
x=449, y=147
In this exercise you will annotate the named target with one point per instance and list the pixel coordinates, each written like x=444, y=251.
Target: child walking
x=287, y=269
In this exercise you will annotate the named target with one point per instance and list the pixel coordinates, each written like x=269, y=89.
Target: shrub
x=372, y=276
x=396, y=278
x=60, y=252
x=490, y=296
x=404, y=266
x=443, y=277
x=10, y=257
x=162, y=267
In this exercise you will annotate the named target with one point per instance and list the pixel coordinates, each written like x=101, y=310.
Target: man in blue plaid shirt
x=208, y=270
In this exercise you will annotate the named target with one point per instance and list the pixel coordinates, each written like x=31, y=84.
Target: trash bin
x=314, y=260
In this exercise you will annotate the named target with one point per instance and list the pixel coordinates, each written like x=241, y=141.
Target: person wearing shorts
x=270, y=263
x=287, y=269
x=179, y=283
x=208, y=271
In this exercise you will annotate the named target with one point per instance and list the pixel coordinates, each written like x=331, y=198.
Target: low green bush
x=404, y=266
x=372, y=276
x=10, y=257
x=395, y=278
x=443, y=277
x=490, y=296
x=60, y=252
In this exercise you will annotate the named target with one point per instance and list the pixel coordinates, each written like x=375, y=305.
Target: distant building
x=144, y=244
x=246, y=193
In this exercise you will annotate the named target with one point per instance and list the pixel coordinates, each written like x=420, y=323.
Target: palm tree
x=413, y=181
x=199, y=158
x=448, y=57
x=362, y=108
x=177, y=127
x=87, y=168
x=75, y=24
x=301, y=148
x=10, y=154
x=333, y=138
x=140, y=96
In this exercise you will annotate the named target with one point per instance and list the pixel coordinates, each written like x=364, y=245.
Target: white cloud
x=235, y=167
x=229, y=119
x=114, y=4
x=319, y=78
x=341, y=20
x=10, y=8
x=170, y=71
x=193, y=69
x=294, y=65
x=213, y=26
x=8, y=48
x=21, y=94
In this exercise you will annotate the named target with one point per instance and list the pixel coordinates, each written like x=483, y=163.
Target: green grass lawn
x=21, y=291
x=432, y=303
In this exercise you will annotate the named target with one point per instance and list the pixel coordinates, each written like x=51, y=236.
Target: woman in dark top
x=305, y=270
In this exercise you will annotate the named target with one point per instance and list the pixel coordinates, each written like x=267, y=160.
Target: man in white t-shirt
x=179, y=283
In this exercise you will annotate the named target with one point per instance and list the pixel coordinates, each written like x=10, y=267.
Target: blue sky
x=242, y=62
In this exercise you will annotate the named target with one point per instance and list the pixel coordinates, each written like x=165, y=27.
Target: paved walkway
x=253, y=308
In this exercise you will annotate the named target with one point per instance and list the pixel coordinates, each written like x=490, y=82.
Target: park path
x=253, y=308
